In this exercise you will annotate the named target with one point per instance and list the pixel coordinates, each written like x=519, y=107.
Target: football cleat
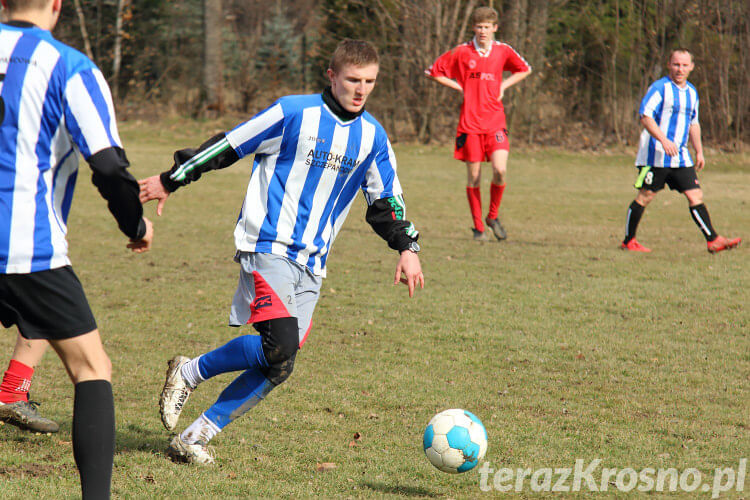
x=497, y=228
x=24, y=414
x=721, y=243
x=634, y=246
x=175, y=393
x=198, y=453
x=479, y=235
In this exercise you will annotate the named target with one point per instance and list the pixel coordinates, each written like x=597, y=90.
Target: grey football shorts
x=272, y=286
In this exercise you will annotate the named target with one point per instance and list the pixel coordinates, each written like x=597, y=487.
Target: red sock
x=475, y=205
x=496, y=194
x=16, y=382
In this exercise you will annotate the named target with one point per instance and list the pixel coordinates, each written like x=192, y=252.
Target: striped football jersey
x=674, y=109
x=54, y=102
x=308, y=167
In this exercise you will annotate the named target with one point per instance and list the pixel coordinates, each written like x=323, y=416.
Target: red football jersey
x=480, y=75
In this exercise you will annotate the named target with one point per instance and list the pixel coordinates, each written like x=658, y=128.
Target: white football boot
x=175, y=393
x=197, y=453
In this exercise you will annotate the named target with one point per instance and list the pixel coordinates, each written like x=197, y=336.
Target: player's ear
x=330, y=74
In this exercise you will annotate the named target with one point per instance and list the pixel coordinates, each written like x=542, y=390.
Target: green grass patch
x=563, y=345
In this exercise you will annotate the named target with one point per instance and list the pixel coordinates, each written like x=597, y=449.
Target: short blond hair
x=353, y=52
x=682, y=50
x=484, y=15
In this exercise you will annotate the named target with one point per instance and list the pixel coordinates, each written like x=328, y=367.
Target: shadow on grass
x=410, y=491
x=135, y=438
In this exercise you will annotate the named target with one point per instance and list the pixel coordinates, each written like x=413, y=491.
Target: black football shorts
x=45, y=304
x=678, y=179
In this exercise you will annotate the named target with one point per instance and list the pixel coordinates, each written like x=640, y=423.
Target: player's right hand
x=670, y=147
x=153, y=189
x=144, y=244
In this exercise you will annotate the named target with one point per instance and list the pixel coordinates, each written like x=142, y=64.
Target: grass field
x=564, y=346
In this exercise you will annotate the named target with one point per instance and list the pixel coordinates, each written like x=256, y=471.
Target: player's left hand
x=700, y=162
x=144, y=244
x=411, y=269
x=153, y=189
x=502, y=93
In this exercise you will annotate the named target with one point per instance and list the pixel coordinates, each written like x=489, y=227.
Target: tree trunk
x=84, y=32
x=213, y=68
x=117, y=56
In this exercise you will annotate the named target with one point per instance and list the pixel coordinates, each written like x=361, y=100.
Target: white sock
x=202, y=430
x=191, y=373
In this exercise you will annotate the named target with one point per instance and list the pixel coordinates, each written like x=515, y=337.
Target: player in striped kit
x=669, y=115
x=313, y=153
x=55, y=103
x=476, y=70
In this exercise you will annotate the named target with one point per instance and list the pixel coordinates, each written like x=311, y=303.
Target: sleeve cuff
x=168, y=183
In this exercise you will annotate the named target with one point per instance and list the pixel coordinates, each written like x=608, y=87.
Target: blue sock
x=241, y=395
x=242, y=353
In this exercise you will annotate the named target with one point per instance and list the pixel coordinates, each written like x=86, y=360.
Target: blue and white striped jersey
x=54, y=103
x=308, y=167
x=674, y=109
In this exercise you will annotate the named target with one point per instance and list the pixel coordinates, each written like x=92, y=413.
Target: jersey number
x=649, y=178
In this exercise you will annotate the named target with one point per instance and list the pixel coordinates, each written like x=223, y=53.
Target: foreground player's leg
x=184, y=374
x=15, y=407
x=474, y=196
x=699, y=213
x=268, y=360
x=93, y=411
x=499, y=161
x=635, y=212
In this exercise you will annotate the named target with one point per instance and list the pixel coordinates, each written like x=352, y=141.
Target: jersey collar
x=337, y=109
x=482, y=53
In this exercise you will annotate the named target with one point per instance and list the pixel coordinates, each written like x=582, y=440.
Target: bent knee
x=278, y=372
x=280, y=339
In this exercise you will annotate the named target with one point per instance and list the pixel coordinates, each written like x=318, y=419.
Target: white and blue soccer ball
x=455, y=441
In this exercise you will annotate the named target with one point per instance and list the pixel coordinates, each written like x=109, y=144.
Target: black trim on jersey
x=120, y=189
x=20, y=24
x=381, y=215
x=221, y=160
x=337, y=108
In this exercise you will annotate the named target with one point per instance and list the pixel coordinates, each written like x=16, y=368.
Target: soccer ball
x=455, y=441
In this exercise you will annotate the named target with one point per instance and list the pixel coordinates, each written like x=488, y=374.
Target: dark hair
x=354, y=52
x=24, y=5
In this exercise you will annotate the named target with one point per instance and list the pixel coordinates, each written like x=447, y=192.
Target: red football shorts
x=479, y=147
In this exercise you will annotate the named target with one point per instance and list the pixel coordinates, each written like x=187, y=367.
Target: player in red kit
x=476, y=70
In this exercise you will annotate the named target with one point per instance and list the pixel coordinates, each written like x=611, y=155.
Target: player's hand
x=670, y=147
x=153, y=189
x=144, y=244
x=502, y=93
x=700, y=162
x=411, y=269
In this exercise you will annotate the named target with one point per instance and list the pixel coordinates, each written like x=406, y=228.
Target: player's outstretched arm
x=409, y=271
x=153, y=189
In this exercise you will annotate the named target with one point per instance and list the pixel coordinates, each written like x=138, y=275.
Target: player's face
x=352, y=84
x=485, y=33
x=680, y=66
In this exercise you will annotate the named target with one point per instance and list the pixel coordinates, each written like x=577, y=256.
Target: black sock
x=635, y=211
x=703, y=221
x=94, y=436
